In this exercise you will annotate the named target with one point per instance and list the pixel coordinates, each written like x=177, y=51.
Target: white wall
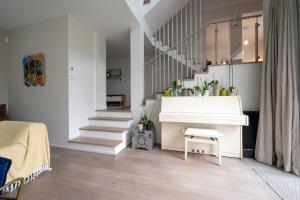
x=3, y=72
x=247, y=79
x=48, y=104
x=137, y=71
x=119, y=86
x=82, y=79
x=100, y=72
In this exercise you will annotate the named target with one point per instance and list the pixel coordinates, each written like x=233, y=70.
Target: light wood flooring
x=143, y=175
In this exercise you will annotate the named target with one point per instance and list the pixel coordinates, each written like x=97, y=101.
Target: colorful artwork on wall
x=34, y=72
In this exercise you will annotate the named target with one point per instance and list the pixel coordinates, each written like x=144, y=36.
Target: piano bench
x=206, y=136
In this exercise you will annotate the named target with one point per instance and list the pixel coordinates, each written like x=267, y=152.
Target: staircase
x=182, y=52
x=109, y=132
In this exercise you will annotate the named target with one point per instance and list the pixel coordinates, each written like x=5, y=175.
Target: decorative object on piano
x=114, y=74
x=223, y=92
x=205, y=87
x=34, y=72
x=198, y=91
x=216, y=87
x=176, y=87
x=232, y=91
x=187, y=92
x=167, y=92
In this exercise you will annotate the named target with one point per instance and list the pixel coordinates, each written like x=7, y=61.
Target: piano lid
x=210, y=110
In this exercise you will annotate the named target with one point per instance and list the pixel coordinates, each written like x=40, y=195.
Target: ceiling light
x=246, y=42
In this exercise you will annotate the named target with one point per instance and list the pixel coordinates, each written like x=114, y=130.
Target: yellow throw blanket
x=27, y=145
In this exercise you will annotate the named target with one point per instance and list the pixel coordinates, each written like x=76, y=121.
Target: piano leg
x=219, y=152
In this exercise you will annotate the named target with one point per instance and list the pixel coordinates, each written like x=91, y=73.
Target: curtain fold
x=278, y=141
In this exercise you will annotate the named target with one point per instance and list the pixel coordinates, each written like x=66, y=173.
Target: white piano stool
x=206, y=136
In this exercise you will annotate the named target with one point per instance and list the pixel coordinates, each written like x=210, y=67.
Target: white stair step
x=98, y=145
x=111, y=122
x=124, y=113
x=110, y=133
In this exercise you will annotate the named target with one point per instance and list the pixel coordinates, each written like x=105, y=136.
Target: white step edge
x=105, y=134
x=113, y=114
x=110, y=123
x=99, y=148
x=87, y=148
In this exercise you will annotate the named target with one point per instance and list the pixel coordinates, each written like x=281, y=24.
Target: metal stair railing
x=181, y=58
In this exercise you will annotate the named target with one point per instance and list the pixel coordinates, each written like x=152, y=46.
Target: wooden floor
x=139, y=174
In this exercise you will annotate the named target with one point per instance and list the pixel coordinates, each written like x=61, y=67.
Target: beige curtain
x=278, y=141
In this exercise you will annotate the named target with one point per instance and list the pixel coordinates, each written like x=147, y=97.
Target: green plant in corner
x=147, y=123
x=146, y=119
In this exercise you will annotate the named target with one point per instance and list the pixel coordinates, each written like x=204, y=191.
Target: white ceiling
x=105, y=16
x=111, y=18
x=162, y=12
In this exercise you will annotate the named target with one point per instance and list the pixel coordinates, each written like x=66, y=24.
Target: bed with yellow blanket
x=27, y=145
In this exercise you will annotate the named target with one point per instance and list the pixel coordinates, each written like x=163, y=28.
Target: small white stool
x=207, y=136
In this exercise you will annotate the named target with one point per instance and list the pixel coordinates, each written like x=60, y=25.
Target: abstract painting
x=34, y=73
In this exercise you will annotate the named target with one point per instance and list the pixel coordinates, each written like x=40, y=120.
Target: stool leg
x=185, y=148
x=219, y=153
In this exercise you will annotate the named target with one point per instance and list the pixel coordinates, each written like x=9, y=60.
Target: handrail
x=198, y=31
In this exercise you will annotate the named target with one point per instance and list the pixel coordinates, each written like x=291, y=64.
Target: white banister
x=216, y=44
x=177, y=47
x=164, y=57
x=186, y=49
x=156, y=63
x=168, y=54
x=191, y=39
x=186, y=44
x=181, y=53
x=172, y=71
x=196, y=37
x=152, y=80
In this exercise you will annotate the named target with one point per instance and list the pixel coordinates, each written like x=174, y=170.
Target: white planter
x=206, y=93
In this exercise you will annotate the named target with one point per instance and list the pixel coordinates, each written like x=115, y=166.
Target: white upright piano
x=215, y=112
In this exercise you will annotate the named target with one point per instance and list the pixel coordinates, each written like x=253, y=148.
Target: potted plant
x=197, y=91
x=176, y=87
x=167, y=92
x=216, y=86
x=147, y=123
x=205, y=90
x=232, y=91
x=223, y=92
